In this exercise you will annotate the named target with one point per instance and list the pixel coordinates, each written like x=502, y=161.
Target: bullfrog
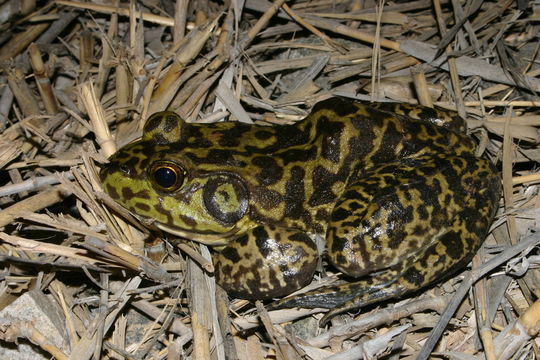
x=395, y=190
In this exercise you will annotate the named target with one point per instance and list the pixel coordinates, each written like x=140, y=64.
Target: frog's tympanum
x=395, y=190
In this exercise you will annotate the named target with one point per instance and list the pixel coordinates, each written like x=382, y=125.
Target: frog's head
x=155, y=179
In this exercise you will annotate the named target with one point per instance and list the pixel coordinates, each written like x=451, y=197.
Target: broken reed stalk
x=42, y=80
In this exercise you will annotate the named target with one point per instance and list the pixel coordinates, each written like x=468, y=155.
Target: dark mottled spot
x=340, y=214
x=303, y=238
x=321, y=215
x=407, y=195
x=224, y=195
x=268, y=199
x=189, y=221
x=355, y=205
x=454, y=246
x=263, y=134
x=153, y=122
x=447, y=199
x=350, y=194
x=337, y=243
x=220, y=156
x=232, y=135
x=340, y=259
x=260, y=233
x=231, y=254
x=317, y=227
x=243, y=240
x=387, y=144
x=419, y=230
x=431, y=130
x=122, y=154
x=261, y=240
x=111, y=190
x=390, y=178
x=125, y=170
x=441, y=260
x=330, y=132
x=128, y=194
x=145, y=163
x=142, y=206
x=158, y=138
x=341, y=106
x=165, y=212
x=270, y=172
x=171, y=122
x=298, y=155
x=414, y=276
x=130, y=166
x=394, y=242
x=192, y=135
x=404, y=214
x=224, y=272
x=322, y=186
x=294, y=193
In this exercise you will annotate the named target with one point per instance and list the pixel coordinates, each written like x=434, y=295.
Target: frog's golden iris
x=395, y=190
x=166, y=176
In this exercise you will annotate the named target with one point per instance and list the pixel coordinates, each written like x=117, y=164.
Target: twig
x=473, y=276
x=33, y=203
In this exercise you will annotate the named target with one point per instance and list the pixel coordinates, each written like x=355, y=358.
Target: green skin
x=395, y=190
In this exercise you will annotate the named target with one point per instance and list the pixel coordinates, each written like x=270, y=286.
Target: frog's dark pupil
x=165, y=177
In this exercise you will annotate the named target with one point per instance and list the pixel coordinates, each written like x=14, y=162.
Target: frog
x=395, y=190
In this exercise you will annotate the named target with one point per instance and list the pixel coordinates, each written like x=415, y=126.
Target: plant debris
x=78, y=80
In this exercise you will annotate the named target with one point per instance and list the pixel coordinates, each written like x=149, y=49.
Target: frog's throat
x=207, y=239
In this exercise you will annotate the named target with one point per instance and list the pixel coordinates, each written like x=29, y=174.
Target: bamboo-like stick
x=42, y=80
x=105, y=62
x=97, y=118
x=105, y=9
x=191, y=48
x=31, y=204
x=420, y=84
x=21, y=41
x=22, y=92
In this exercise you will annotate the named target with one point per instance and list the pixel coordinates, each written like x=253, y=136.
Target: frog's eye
x=167, y=175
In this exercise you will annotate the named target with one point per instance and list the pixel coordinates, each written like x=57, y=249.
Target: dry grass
x=77, y=81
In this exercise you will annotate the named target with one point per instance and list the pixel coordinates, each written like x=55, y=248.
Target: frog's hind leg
x=403, y=226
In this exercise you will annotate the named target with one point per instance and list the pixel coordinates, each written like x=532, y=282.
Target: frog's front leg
x=266, y=262
x=403, y=226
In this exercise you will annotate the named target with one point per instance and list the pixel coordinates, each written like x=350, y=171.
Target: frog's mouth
x=210, y=239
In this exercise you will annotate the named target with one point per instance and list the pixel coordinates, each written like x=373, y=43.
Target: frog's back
x=296, y=172
x=304, y=168
x=342, y=130
x=374, y=133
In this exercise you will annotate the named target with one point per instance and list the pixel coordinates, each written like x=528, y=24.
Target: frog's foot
x=266, y=262
x=362, y=292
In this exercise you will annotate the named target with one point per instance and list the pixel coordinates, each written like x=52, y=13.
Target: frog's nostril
x=111, y=168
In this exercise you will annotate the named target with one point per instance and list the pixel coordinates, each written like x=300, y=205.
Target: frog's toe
x=327, y=298
x=361, y=293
